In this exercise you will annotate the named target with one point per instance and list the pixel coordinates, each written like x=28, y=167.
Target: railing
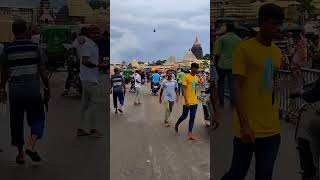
x=289, y=83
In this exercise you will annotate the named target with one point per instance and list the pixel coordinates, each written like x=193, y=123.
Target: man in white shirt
x=137, y=85
x=89, y=74
x=169, y=89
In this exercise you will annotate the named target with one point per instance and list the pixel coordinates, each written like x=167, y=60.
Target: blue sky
x=177, y=22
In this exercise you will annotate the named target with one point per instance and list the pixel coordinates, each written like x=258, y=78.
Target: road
x=221, y=143
x=142, y=148
x=67, y=157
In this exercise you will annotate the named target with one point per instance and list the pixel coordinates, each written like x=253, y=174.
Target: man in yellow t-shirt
x=189, y=83
x=256, y=118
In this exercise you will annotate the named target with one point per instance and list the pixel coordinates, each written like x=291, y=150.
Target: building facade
x=26, y=14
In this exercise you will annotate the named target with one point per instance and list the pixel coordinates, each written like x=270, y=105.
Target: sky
x=177, y=22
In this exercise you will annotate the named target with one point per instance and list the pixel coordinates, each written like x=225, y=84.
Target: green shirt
x=180, y=77
x=225, y=48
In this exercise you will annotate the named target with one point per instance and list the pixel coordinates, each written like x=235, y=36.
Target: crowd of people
x=23, y=63
x=251, y=67
x=171, y=83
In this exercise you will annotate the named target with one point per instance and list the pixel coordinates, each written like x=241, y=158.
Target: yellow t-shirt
x=191, y=83
x=257, y=63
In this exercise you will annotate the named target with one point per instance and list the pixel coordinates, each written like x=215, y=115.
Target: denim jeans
x=25, y=100
x=265, y=150
x=185, y=112
x=118, y=95
x=225, y=73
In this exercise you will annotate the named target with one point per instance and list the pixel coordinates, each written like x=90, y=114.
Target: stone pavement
x=142, y=148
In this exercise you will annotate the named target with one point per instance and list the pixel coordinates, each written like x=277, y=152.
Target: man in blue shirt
x=155, y=78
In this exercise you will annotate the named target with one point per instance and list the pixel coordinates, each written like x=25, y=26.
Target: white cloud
x=127, y=41
x=176, y=22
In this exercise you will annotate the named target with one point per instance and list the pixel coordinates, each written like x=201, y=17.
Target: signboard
x=6, y=31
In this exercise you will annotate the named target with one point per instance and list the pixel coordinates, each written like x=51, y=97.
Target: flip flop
x=34, y=156
x=81, y=132
x=192, y=138
x=20, y=160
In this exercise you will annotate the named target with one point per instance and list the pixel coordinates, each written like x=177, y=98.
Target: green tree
x=140, y=62
x=97, y=4
x=160, y=62
x=205, y=64
x=207, y=56
x=305, y=6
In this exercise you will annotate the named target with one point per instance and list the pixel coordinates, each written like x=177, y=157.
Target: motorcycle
x=132, y=88
x=206, y=104
x=155, y=88
x=74, y=72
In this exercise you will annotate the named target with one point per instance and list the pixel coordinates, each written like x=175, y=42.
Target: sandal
x=34, y=156
x=95, y=133
x=81, y=132
x=20, y=159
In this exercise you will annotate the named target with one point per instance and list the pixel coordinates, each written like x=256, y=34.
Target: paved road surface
x=286, y=164
x=143, y=149
x=67, y=157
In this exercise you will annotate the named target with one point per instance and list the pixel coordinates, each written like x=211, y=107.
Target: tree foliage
x=305, y=6
x=97, y=4
x=160, y=62
x=207, y=56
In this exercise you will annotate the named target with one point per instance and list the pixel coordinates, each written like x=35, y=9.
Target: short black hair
x=270, y=11
x=230, y=27
x=116, y=70
x=84, y=31
x=195, y=65
x=19, y=27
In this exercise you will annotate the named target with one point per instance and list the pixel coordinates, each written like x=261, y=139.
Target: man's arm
x=185, y=95
x=42, y=68
x=4, y=77
x=44, y=76
x=123, y=84
x=160, y=97
x=87, y=63
x=218, y=51
x=5, y=74
x=239, y=100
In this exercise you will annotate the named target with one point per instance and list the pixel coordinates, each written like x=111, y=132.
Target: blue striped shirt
x=22, y=58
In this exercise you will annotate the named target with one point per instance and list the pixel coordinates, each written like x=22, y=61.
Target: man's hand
x=46, y=97
x=247, y=135
x=103, y=64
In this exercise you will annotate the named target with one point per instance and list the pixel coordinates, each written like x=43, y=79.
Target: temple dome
x=197, y=49
x=189, y=57
x=171, y=60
